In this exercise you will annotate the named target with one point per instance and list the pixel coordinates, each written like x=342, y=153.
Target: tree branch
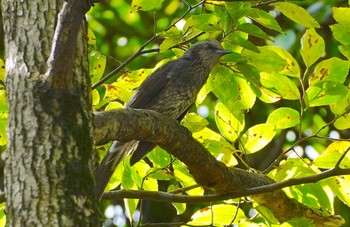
x=60, y=62
x=175, y=198
x=128, y=124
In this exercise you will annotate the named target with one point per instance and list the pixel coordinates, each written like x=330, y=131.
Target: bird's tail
x=116, y=154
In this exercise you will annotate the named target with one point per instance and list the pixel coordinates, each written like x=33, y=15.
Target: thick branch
x=62, y=56
x=128, y=124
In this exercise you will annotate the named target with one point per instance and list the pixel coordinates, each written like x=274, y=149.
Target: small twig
x=341, y=158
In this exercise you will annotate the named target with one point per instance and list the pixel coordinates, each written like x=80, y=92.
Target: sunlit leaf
x=159, y=157
x=207, y=22
x=185, y=178
x=284, y=117
x=217, y=146
x=229, y=125
x=2, y=215
x=217, y=215
x=257, y=137
x=95, y=97
x=267, y=214
x=265, y=61
x=3, y=118
x=340, y=186
x=345, y=50
x=238, y=10
x=343, y=122
x=325, y=93
x=265, y=19
x=297, y=14
x=332, y=69
x=146, y=5
x=313, y=195
x=279, y=86
x=332, y=155
x=341, y=31
x=97, y=64
x=312, y=47
x=341, y=15
x=125, y=86
x=292, y=67
x=194, y=122
x=233, y=91
x=91, y=38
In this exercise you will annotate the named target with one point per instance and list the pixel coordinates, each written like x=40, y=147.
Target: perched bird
x=170, y=90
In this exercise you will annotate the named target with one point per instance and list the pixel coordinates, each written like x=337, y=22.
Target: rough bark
x=48, y=172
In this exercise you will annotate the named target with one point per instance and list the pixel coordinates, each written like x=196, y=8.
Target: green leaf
x=341, y=15
x=341, y=106
x=340, y=186
x=312, y=47
x=3, y=118
x=313, y=195
x=292, y=66
x=229, y=125
x=284, y=117
x=257, y=137
x=146, y=5
x=217, y=215
x=345, y=50
x=297, y=14
x=207, y=22
x=2, y=215
x=325, y=93
x=278, y=86
x=343, y=122
x=194, y=122
x=238, y=10
x=253, y=30
x=95, y=97
x=185, y=178
x=333, y=69
x=332, y=154
x=341, y=33
x=233, y=91
x=91, y=38
x=265, y=61
x=237, y=39
x=217, y=146
x=265, y=19
x=266, y=214
x=97, y=65
x=159, y=174
x=125, y=86
x=159, y=157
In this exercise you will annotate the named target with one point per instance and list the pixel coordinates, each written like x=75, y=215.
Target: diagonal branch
x=128, y=124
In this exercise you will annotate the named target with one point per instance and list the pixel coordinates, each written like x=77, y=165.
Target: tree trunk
x=48, y=173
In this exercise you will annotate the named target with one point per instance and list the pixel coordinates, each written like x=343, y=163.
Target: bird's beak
x=223, y=51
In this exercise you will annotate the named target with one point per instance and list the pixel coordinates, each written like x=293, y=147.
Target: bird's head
x=208, y=52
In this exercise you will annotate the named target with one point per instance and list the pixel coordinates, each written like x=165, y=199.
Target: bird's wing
x=152, y=87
